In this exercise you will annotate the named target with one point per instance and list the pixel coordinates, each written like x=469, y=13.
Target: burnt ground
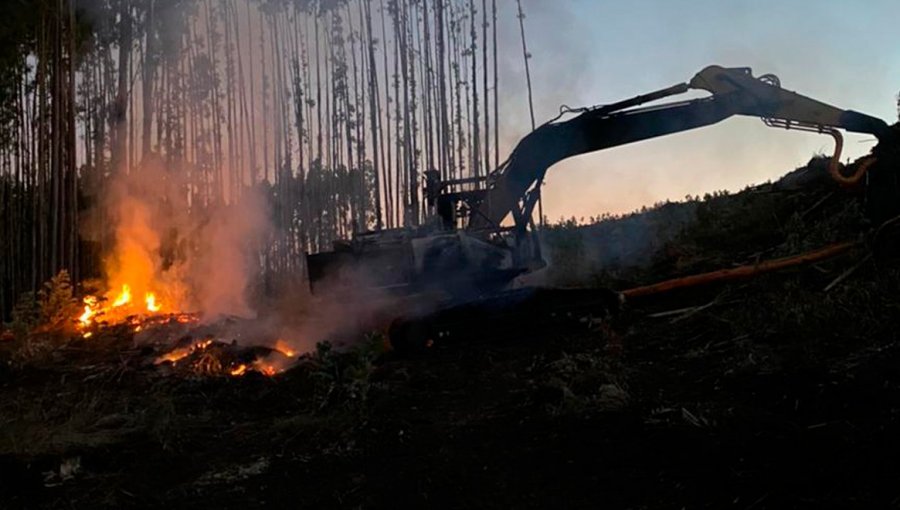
x=769, y=393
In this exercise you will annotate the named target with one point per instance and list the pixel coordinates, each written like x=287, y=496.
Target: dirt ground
x=748, y=403
x=769, y=393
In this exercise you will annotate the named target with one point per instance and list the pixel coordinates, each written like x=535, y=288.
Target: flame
x=123, y=310
x=267, y=370
x=283, y=347
x=134, y=270
x=268, y=366
x=141, y=292
x=182, y=352
x=150, y=299
x=124, y=297
x=84, y=320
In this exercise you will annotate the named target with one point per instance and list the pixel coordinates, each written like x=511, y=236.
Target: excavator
x=480, y=233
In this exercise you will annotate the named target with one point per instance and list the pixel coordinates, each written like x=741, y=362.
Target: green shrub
x=58, y=305
x=26, y=315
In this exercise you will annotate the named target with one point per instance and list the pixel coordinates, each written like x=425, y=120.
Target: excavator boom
x=468, y=248
x=735, y=91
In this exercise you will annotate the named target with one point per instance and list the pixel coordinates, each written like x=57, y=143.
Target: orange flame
x=283, y=347
x=150, y=299
x=124, y=297
x=182, y=352
x=84, y=319
x=267, y=370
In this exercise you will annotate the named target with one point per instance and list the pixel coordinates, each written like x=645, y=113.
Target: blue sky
x=846, y=53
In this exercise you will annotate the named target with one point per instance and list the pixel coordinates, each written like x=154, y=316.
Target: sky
x=845, y=53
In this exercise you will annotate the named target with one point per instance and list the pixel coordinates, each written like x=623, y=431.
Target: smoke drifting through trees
x=330, y=110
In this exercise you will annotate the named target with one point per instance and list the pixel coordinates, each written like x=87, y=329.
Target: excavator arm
x=513, y=187
x=488, y=253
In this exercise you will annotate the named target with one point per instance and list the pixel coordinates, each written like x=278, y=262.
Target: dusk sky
x=592, y=52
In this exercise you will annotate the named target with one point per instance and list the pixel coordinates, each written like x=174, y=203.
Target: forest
x=281, y=253
x=326, y=111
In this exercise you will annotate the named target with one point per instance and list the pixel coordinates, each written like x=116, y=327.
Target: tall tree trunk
x=119, y=127
x=526, y=56
x=496, y=89
x=484, y=74
x=476, y=119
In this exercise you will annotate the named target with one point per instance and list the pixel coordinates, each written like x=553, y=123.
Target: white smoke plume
x=195, y=257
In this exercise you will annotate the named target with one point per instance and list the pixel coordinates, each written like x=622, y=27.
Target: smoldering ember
x=410, y=254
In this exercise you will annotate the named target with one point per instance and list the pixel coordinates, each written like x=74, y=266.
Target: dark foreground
x=767, y=394
x=754, y=402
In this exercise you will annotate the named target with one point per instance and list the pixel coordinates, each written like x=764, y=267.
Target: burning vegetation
x=122, y=308
x=286, y=265
x=764, y=378
x=152, y=321
x=181, y=339
x=164, y=301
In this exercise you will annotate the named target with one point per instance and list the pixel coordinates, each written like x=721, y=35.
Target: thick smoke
x=195, y=257
x=223, y=265
x=205, y=258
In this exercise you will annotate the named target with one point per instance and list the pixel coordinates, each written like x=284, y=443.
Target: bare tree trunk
x=496, y=90
x=444, y=107
x=148, y=68
x=267, y=84
x=390, y=192
x=484, y=73
x=473, y=34
x=526, y=56
x=72, y=216
x=374, y=113
x=56, y=178
x=251, y=125
x=119, y=127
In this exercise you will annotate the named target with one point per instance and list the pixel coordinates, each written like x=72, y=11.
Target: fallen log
x=739, y=273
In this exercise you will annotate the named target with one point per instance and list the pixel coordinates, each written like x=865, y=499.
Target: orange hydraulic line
x=741, y=272
x=834, y=166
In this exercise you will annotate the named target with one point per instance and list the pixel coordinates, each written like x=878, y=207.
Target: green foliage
x=25, y=315
x=343, y=375
x=798, y=213
x=57, y=302
x=50, y=311
x=732, y=223
x=610, y=249
x=564, y=247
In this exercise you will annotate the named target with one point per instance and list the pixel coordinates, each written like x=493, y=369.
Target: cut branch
x=740, y=273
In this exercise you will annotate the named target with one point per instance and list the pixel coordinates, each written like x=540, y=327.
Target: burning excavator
x=480, y=234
